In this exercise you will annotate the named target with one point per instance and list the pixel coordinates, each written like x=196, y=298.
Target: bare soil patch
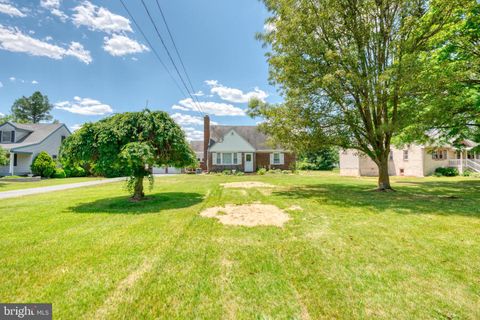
x=249, y=215
x=247, y=185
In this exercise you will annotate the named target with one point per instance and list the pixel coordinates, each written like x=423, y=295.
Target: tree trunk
x=383, y=177
x=138, y=190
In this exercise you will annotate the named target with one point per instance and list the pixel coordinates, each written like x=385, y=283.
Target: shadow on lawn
x=412, y=197
x=154, y=203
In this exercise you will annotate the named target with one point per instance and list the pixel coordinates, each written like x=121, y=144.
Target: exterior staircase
x=465, y=164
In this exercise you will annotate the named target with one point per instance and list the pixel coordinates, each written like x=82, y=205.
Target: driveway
x=26, y=192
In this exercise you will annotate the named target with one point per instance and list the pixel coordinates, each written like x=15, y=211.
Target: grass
x=350, y=254
x=13, y=185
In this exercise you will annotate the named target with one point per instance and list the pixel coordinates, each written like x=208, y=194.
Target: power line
x=153, y=48
x=176, y=48
x=170, y=56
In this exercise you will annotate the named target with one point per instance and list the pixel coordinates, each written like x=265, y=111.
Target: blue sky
x=91, y=60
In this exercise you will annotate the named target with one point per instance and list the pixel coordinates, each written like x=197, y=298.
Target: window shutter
x=13, y=136
x=239, y=158
x=271, y=158
x=1, y=137
x=282, y=158
x=214, y=158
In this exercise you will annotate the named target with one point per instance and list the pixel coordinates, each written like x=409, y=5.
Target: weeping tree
x=133, y=143
x=346, y=69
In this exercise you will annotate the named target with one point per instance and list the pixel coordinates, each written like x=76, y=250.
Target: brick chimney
x=206, y=140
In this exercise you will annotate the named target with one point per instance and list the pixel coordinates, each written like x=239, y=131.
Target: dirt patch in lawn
x=249, y=215
x=247, y=185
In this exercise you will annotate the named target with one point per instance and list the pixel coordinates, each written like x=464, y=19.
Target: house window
x=235, y=158
x=391, y=155
x=15, y=159
x=405, y=155
x=248, y=157
x=227, y=158
x=54, y=157
x=439, y=155
x=63, y=138
x=219, y=158
x=276, y=158
x=6, y=136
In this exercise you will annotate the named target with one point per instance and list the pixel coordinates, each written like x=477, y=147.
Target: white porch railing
x=464, y=164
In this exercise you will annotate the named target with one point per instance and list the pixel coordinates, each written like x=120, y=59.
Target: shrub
x=262, y=171
x=446, y=172
x=227, y=172
x=286, y=171
x=43, y=165
x=240, y=173
x=274, y=171
x=74, y=171
x=59, y=174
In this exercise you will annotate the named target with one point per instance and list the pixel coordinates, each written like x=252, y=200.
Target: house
x=241, y=148
x=413, y=160
x=25, y=141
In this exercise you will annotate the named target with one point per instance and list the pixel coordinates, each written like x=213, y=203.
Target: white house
x=25, y=141
x=412, y=160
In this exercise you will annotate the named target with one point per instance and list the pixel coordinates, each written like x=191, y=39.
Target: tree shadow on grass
x=154, y=203
x=411, y=197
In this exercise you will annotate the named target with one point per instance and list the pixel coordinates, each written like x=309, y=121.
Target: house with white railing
x=414, y=160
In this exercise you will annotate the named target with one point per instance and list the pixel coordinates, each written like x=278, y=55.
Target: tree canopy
x=32, y=109
x=132, y=141
x=348, y=70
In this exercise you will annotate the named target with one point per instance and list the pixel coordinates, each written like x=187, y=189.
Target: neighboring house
x=25, y=141
x=413, y=160
x=242, y=148
x=196, y=146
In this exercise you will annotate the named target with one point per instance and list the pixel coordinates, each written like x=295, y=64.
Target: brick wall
x=263, y=161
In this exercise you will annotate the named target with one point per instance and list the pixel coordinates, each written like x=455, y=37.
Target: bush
x=446, y=172
x=43, y=165
x=59, y=174
x=262, y=171
x=274, y=171
x=227, y=172
x=239, y=173
x=286, y=171
x=74, y=171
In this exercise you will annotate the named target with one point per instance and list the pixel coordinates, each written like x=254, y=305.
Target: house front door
x=248, y=162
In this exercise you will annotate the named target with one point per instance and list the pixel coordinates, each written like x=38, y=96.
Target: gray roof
x=197, y=145
x=38, y=133
x=251, y=134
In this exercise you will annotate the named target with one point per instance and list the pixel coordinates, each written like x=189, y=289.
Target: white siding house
x=25, y=141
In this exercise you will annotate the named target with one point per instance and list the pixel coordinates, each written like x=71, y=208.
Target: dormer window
x=8, y=136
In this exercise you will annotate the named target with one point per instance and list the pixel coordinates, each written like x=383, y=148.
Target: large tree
x=132, y=141
x=346, y=69
x=32, y=109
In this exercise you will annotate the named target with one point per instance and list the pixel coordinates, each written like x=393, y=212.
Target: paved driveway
x=26, y=192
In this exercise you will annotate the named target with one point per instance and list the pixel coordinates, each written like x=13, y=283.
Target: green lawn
x=350, y=254
x=13, y=185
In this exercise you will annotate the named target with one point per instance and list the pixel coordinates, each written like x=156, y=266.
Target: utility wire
x=176, y=50
x=170, y=56
x=153, y=48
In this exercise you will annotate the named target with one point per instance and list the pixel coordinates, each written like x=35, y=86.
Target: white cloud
x=76, y=126
x=12, y=39
x=185, y=119
x=235, y=95
x=12, y=79
x=118, y=45
x=34, y=82
x=193, y=134
x=1, y=84
x=48, y=38
x=77, y=50
x=2, y=115
x=11, y=10
x=215, y=108
x=54, y=7
x=84, y=106
x=199, y=93
x=99, y=19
